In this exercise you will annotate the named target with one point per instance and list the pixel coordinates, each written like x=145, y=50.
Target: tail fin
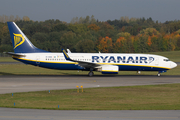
x=21, y=43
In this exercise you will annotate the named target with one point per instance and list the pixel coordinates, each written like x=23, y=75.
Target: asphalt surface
x=33, y=114
x=12, y=84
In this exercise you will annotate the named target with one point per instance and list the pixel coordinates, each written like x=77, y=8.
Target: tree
x=119, y=44
x=17, y=18
x=178, y=44
x=94, y=27
x=68, y=40
x=149, y=31
x=60, y=27
x=149, y=41
x=124, y=34
x=39, y=39
x=6, y=48
x=85, y=46
x=26, y=18
x=93, y=20
x=78, y=28
x=105, y=45
x=87, y=20
x=140, y=44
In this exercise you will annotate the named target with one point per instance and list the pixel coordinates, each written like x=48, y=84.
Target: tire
x=90, y=74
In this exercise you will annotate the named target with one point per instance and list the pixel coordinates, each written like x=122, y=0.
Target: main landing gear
x=90, y=73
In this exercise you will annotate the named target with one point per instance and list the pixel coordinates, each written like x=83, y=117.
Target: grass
x=22, y=69
x=149, y=97
x=7, y=59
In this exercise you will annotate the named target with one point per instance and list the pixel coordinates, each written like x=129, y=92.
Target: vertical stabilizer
x=21, y=43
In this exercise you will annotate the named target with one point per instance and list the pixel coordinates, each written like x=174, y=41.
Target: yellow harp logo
x=18, y=40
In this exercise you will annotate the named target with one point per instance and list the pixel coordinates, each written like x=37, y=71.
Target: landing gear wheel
x=90, y=73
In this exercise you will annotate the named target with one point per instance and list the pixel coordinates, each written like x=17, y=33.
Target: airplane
x=106, y=63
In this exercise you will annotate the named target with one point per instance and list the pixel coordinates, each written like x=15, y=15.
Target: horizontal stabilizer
x=15, y=54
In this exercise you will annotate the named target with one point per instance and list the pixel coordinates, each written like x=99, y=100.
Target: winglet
x=66, y=55
x=68, y=50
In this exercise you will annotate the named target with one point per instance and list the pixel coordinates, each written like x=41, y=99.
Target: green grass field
x=149, y=97
x=7, y=59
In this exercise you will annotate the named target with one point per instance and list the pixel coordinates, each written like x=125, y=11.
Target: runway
x=12, y=84
x=32, y=114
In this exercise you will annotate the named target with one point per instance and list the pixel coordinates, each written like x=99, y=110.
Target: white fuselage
x=128, y=62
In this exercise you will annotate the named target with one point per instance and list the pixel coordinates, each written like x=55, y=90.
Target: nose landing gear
x=159, y=73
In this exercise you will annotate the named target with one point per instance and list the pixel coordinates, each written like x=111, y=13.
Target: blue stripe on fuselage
x=58, y=65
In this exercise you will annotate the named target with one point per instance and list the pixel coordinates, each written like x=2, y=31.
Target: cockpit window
x=166, y=60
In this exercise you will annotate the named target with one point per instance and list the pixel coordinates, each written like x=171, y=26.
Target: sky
x=103, y=10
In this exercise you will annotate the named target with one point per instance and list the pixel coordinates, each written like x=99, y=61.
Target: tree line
x=134, y=35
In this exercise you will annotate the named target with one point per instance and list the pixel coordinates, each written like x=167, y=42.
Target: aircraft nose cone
x=173, y=64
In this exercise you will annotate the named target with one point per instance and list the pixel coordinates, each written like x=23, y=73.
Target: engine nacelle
x=110, y=69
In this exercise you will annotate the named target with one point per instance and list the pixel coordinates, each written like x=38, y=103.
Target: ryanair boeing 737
x=106, y=63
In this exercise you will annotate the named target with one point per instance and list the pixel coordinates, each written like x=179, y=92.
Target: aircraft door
x=157, y=61
x=37, y=60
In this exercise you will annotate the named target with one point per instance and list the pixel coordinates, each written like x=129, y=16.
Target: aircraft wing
x=81, y=63
x=15, y=54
